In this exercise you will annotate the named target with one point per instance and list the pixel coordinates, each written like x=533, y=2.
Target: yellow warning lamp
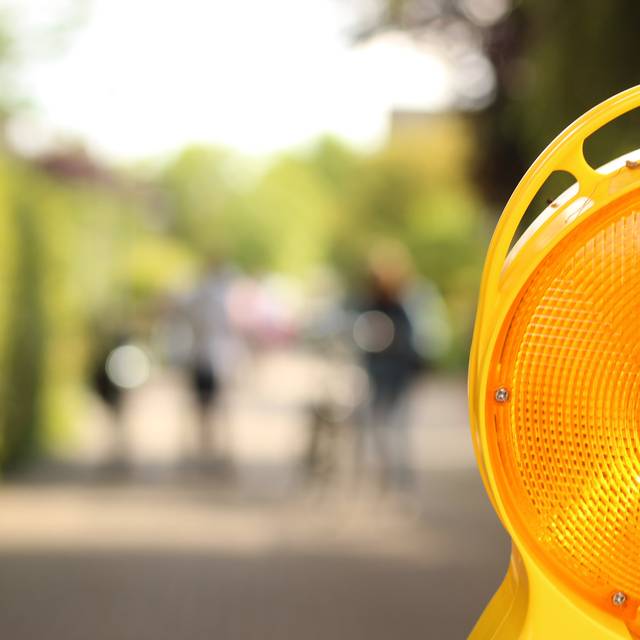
x=554, y=386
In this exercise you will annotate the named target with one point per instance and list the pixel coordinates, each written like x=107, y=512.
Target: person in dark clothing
x=384, y=333
x=112, y=395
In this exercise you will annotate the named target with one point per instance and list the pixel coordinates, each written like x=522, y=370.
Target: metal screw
x=502, y=394
x=618, y=598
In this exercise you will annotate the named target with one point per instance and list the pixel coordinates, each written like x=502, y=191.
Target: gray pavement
x=168, y=552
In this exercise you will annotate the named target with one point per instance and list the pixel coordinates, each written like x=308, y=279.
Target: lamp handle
x=565, y=153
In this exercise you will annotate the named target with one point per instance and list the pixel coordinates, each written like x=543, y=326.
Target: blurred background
x=240, y=246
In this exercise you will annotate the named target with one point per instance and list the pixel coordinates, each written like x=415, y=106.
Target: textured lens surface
x=566, y=444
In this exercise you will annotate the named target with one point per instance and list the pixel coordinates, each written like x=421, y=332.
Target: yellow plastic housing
x=555, y=397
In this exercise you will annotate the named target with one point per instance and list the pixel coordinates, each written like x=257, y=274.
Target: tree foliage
x=552, y=62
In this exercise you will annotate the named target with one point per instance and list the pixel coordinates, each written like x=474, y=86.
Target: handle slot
x=565, y=153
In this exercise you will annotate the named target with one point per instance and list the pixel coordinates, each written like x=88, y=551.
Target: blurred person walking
x=118, y=366
x=215, y=350
x=384, y=334
x=111, y=395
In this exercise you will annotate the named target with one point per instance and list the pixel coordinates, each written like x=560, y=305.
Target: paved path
x=172, y=554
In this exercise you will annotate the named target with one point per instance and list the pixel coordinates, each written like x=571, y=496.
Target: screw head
x=618, y=598
x=502, y=394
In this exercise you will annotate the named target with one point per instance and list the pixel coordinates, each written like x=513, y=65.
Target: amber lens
x=565, y=444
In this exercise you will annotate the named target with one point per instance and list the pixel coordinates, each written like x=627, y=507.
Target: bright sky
x=149, y=76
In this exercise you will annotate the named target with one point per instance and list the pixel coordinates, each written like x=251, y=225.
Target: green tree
x=20, y=418
x=552, y=61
